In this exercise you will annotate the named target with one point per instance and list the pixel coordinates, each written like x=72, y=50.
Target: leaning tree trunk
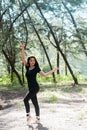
x=58, y=61
x=57, y=45
x=54, y=79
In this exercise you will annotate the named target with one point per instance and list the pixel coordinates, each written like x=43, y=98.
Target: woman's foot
x=37, y=120
x=28, y=119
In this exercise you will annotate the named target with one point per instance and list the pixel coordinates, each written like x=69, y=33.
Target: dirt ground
x=68, y=113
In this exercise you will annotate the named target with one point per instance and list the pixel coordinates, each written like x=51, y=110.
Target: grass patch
x=66, y=88
x=81, y=116
x=71, y=89
x=10, y=87
x=53, y=99
x=49, y=85
x=49, y=97
x=20, y=105
x=59, y=78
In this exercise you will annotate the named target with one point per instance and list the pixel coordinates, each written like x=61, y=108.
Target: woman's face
x=32, y=62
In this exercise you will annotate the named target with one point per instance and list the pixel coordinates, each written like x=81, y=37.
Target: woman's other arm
x=48, y=73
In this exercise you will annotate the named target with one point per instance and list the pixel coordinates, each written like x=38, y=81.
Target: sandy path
x=70, y=114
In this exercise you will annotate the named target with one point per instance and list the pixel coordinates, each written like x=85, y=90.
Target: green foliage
x=46, y=68
x=44, y=79
x=13, y=1
x=59, y=78
x=5, y=79
x=64, y=84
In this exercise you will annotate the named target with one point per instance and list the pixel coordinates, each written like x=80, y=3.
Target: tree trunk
x=12, y=75
x=66, y=58
x=13, y=69
x=57, y=61
x=54, y=79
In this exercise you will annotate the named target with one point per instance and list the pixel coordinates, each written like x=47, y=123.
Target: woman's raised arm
x=23, y=54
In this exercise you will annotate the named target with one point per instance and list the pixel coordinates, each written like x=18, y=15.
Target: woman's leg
x=26, y=103
x=27, y=107
x=29, y=96
x=35, y=103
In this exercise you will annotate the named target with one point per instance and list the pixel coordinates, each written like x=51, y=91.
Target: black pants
x=32, y=95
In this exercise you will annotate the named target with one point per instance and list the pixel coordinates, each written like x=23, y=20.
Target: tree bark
x=57, y=61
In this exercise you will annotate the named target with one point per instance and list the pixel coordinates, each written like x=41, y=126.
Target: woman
x=32, y=68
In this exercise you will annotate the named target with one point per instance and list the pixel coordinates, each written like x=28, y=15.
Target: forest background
x=53, y=31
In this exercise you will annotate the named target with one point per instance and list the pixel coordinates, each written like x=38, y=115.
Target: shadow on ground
x=38, y=127
x=7, y=97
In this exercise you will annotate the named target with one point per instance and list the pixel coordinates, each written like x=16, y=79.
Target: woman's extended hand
x=55, y=69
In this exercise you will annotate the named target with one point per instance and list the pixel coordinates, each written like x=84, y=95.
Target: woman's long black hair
x=36, y=63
